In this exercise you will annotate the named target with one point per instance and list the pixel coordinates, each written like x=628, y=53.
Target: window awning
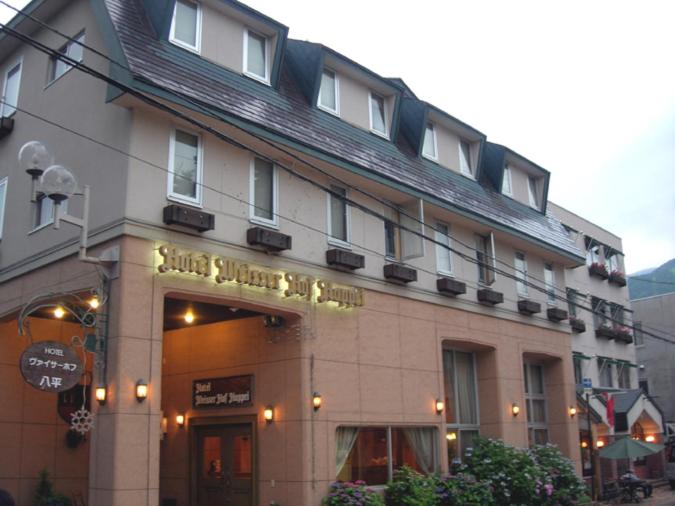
x=578, y=354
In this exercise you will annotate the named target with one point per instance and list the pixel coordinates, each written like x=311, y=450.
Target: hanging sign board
x=232, y=392
x=51, y=366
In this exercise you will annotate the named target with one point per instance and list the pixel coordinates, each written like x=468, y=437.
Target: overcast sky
x=586, y=89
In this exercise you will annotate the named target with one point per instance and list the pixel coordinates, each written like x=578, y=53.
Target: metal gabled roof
x=284, y=115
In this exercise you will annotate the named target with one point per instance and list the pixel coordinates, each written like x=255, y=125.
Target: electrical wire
x=160, y=105
x=210, y=113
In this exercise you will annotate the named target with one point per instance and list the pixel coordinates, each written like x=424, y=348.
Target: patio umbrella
x=629, y=448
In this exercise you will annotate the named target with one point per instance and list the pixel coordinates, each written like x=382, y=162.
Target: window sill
x=339, y=243
x=256, y=77
x=328, y=110
x=264, y=223
x=40, y=227
x=448, y=274
x=183, y=200
x=384, y=135
x=430, y=158
x=183, y=45
x=59, y=77
x=467, y=174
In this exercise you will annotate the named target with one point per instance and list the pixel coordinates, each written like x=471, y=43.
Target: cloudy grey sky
x=584, y=89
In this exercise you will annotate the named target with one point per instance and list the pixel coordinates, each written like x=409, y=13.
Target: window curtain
x=466, y=391
x=345, y=437
x=422, y=442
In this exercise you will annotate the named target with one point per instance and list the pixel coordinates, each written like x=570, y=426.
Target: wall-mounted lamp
x=273, y=321
x=141, y=390
x=440, y=406
x=93, y=302
x=101, y=395
x=268, y=414
x=180, y=420
x=451, y=436
x=600, y=443
x=316, y=401
x=515, y=409
x=59, y=312
x=650, y=439
x=164, y=426
x=189, y=316
x=584, y=444
x=572, y=411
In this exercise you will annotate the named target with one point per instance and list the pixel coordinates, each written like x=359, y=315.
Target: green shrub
x=566, y=488
x=355, y=493
x=410, y=488
x=463, y=490
x=44, y=493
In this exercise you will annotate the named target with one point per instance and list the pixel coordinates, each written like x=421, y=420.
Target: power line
x=210, y=113
x=88, y=70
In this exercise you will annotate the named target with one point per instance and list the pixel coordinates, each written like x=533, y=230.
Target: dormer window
x=532, y=192
x=186, y=26
x=378, y=119
x=329, y=94
x=256, y=56
x=507, y=188
x=465, y=158
x=429, y=149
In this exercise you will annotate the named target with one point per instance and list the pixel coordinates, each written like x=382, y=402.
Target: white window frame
x=507, y=177
x=177, y=197
x=198, y=29
x=3, y=190
x=348, y=221
x=434, y=139
x=532, y=192
x=522, y=288
x=336, y=82
x=17, y=63
x=550, y=287
x=384, y=134
x=443, y=251
x=490, y=263
x=274, y=222
x=530, y=396
x=80, y=37
x=263, y=79
x=605, y=364
x=462, y=169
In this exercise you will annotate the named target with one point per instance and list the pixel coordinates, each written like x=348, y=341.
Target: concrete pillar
x=124, y=460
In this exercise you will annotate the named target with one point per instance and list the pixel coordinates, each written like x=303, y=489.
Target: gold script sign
x=224, y=270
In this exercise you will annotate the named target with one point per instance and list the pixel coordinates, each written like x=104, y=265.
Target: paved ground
x=662, y=496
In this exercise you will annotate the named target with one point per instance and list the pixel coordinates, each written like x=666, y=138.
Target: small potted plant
x=577, y=324
x=598, y=270
x=623, y=333
x=617, y=277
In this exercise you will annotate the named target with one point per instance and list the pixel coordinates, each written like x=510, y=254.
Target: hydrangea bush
x=493, y=474
x=352, y=493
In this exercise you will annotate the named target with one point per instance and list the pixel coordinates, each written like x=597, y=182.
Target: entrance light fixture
x=515, y=409
x=451, y=436
x=600, y=443
x=141, y=390
x=94, y=302
x=316, y=401
x=650, y=439
x=268, y=414
x=440, y=406
x=572, y=411
x=59, y=312
x=101, y=395
x=189, y=316
x=180, y=420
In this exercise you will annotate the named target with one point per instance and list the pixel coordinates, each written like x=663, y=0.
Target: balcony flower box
x=618, y=278
x=598, y=270
x=399, y=273
x=555, y=314
x=345, y=259
x=528, y=307
x=623, y=334
x=605, y=331
x=578, y=325
x=451, y=287
x=270, y=240
x=6, y=126
x=491, y=297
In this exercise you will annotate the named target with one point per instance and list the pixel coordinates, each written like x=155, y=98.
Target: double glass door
x=224, y=465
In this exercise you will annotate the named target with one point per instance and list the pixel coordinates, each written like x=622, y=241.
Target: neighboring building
x=274, y=321
x=656, y=315
x=604, y=349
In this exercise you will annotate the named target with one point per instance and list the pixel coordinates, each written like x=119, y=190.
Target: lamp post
x=59, y=184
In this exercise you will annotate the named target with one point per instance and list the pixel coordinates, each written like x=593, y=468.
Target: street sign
x=51, y=366
x=587, y=383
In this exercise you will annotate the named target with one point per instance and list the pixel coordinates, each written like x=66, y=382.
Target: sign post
x=51, y=366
